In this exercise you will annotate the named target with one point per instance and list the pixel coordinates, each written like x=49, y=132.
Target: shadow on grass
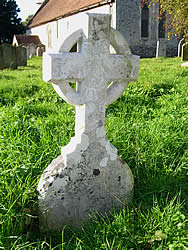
x=28, y=67
x=6, y=99
x=163, y=187
x=7, y=77
x=145, y=97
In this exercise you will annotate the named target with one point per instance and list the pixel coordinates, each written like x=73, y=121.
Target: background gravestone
x=12, y=56
x=40, y=50
x=161, y=48
x=7, y=56
x=21, y=56
x=88, y=176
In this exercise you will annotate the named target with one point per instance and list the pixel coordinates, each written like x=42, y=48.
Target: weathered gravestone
x=7, y=56
x=88, y=176
x=12, y=56
x=21, y=56
x=161, y=48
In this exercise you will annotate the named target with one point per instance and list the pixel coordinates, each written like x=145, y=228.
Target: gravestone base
x=79, y=183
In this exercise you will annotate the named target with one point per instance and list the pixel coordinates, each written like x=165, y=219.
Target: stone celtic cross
x=88, y=176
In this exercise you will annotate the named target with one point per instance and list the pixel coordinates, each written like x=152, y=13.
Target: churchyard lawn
x=148, y=127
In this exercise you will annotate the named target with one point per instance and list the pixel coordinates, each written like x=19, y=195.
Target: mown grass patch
x=148, y=127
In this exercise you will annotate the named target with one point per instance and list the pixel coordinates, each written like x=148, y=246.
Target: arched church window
x=49, y=36
x=161, y=25
x=74, y=48
x=144, y=21
x=77, y=46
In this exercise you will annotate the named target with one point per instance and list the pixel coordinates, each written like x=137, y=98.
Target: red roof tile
x=25, y=40
x=51, y=10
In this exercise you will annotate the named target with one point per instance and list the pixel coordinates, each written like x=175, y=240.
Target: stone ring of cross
x=93, y=67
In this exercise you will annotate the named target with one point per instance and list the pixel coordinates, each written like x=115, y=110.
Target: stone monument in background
x=12, y=56
x=88, y=176
x=161, y=48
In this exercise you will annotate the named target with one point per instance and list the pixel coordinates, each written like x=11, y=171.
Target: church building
x=57, y=19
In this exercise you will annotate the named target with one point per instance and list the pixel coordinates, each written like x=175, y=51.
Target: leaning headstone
x=88, y=176
x=161, y=48
x=31, y=50
x=21, y=56
x=7, y=56
x=185, y=52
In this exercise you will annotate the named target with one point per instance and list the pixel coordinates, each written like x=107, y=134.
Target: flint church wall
x=142, y=28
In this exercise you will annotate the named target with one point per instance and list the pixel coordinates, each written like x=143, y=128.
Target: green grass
x=148, y=127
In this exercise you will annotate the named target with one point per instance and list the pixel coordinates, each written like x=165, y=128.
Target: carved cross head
x=101, y=76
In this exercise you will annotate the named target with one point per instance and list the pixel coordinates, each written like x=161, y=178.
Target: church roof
x=52, y=10
x=25, y=39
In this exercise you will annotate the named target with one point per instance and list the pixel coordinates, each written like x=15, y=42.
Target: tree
x=176, y=12
x=25, y=23
x=10, y=24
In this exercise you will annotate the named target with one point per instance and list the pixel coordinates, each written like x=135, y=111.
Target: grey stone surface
x=88, y=176
x=128, y=19
x=95, y=184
